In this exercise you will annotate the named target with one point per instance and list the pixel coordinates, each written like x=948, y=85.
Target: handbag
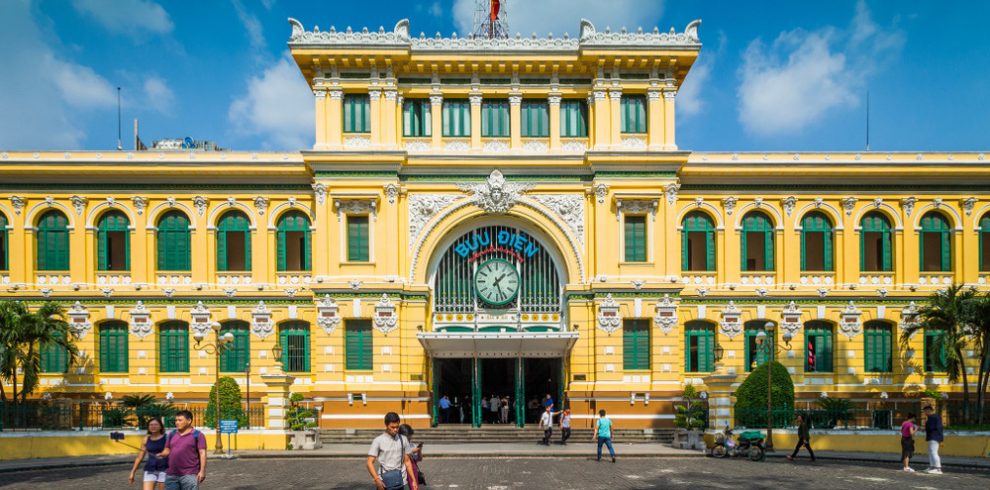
x=392, y=479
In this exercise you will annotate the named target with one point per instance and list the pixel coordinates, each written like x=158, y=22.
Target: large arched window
x=53, y=242
x=113, y=347
x=293, y=242
x=174, y=242
x=816, y=242
x=234, y=242
x=236, y=357
x=818, y=347
x=698, y=243
x=113, y=242
x=294, y=337
x=935, y=244
x=985, y=242
x=757, y=242
x=3, y=242
x=699, y=346
x=876, y=244
x=756, y=356
x=173, y=343
x=878, y=346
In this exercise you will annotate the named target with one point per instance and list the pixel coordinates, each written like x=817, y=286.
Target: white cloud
x=252, y=25
x=45, y=99
x=158, y=95
x=560, y=16
x=802, y=77
x=435, y=9
x=690, y=97
x=278, y=108
x=131, y=17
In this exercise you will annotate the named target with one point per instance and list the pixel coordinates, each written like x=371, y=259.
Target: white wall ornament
x=386, y=319
x=849, y=203
x=851, y=323
x=261, y=204
x=391, y=192
x=328, y=314
x=319, y=191
x=788, y=204
x=569, y=208
x=968, y=204
x=790, y=321
x=731, y=322
x=18, y=203
x=636, y=206
x=262, y=324
x=909, y=316
x=908, y=204
x=79, y=320
x=729, y=203
x=423, y=207
x=200, y=203
x=665, y=314
x=609, y=319
x=355, y=206
x=671, y=191
x=79, y=203
x=140, y=203
x=495, y=195
x=141, y=325
x=200, y=316
x=601, y=192
x=495, y=146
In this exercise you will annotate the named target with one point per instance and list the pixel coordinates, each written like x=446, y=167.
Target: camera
x=116, y=436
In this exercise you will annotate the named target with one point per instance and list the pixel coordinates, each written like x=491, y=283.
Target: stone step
x=492, y=434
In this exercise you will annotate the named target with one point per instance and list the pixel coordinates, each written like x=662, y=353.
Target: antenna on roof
x=490, y=19
x=120, y=144
x=867, y=120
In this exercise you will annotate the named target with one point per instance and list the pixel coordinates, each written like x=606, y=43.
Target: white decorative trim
x=111, y=203
x=495, y=195
x=609, y=318
x=535, y=146
x=495, y=146
x=261, y=204
x=848, y=204
x=423, y=207
x=141, y=325
x=328, y=314
x=788, y=203
x=357, y=142
x=231, y=202
x=851, y=324
x=386, y=318
x=633, y=143
x=759, y=204
x=671, y=191
x=18, y=203
x=909, y=316
x=200, y=319
x=140, y=204
x=319, y=192
x=687, y=208
x=908, y=204
x=731, y=322
x=729, y=203
x=79, y=320
x=569, y=209
x=968, y=204
x=665, y=314
x=200, y=203
x=790, y=321
x=276, y=213
x=391, y=192
x=891, y=213
x=169, y=205
x=262, y=324
x=601, y=192
x=79, y=203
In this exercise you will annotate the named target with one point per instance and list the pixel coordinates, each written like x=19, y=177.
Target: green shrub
x=693, y=414
x=230, y=403
x=752, y=393
x=298, y=417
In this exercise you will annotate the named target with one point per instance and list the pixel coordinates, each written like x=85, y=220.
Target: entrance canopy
x=497, y=344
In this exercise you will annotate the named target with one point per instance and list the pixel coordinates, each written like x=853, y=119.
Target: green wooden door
x=635, y=344
x=358, y=345
x=173, y=343
x=113, y=347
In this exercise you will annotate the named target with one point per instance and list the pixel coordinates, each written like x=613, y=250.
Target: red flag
x=496, y=5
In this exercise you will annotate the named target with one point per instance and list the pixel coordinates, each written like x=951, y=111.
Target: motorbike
x=748, y=443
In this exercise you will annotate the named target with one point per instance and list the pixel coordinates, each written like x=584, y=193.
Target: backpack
x=195, y=434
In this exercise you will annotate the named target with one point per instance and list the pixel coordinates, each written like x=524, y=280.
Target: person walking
x=444, y=410
x=603, y=431
x=565, y=426
x=155, y=467
x=907, y=442
x=548, y=402
x=804, y=439
x=505, y=410
x=392, y=453
x=934, y=436
x=415, y=456
x=546, y=423
x=495, y=405
x=185, y=448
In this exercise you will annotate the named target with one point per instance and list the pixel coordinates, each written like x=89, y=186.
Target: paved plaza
x=525, y=473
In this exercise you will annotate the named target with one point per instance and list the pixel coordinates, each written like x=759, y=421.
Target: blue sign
x=513, y=242
x=228, y=426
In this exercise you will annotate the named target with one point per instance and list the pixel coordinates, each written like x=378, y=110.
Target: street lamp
x=770, y=349
x=221, y=345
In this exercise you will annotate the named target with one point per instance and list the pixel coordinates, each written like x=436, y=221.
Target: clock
x=496, y=281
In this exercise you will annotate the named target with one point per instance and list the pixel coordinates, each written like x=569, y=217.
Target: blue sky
x=772, y=75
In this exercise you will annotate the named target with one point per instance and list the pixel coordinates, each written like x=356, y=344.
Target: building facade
x=492, y=216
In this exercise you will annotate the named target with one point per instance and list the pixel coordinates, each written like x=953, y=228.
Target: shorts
x=907, y=447
x=157, y=476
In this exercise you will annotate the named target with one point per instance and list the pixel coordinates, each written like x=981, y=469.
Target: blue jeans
x=181, y=482
x=608, y=442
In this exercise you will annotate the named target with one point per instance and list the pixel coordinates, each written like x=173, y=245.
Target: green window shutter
x=769, y=263
x=495, y=118
x=113, y=347
x=685, y=252
x=946, y=252
x=535, y=119
x=292, y=221
x=357, y=113
x=221, y=249
x=743, y=249
x=294, y=337
x=54, y=358
x=233, y=222
x=633, y=109
x=635, y=344
x=416, y=118
x=829, y=253
x=804, y=249
x=3, y=242
x=101, y=249
x=357, y=238
x=888, y=262
x=456, y=118
x=879, y=348
x=235, y=359
x=710, y=250
x=702, y=335
x=280, y=250
x=635, y=238
x=573, y=118
x=113, y=221
x=708, y=350
x=862, y=249
x=358, y=348
x=174, y=242
x=173, y=345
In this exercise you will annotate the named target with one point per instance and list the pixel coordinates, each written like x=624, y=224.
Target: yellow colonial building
x=482, y=216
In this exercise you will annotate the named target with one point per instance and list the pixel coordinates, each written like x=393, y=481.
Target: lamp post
x=770, y=349
x=221, y=345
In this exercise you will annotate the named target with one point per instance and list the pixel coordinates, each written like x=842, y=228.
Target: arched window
x=757, y=242
x=234, y=242
x=3, y=242
x=935, y=245
x=936, y=351
x=816, y=242
x=174, y=243
x=876, y=244
x=53, y=242
x=699, y=346
x=698, y=243
x=878, y=346
x=238, y=354
x=985, y=242
x=294, y=337
x=113, y=347
x=293, y=242
x=113, y=242
x=756, y=356
x=173, y=343
x=818, y=347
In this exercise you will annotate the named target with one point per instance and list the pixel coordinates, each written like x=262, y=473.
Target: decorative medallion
x=261, y=321
x=569, y=208
x=731, y=322
x=729, y=203
x=79, y=203
x=909, y=316
x=261, y=204
x=18, y=203
x=140, y=203
x=968, y=204
x=788, y=203
x=791, y=319
x=386, y=318
x=671, y=192
x=79, y=320
x=200, y=316
x=908, y=204
x=849, y=203
x=391, y=192
x=665, y=314
x=328, y=314
x=320, y=192
x=851, y=324
x=141, y=325
x=200, y=203
x=609, y=319
x=496, y=195
x=601, y=192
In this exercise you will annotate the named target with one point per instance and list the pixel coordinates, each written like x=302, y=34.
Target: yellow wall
x=61, y=445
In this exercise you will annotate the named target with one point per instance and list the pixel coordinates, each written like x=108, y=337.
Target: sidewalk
x=917, y=462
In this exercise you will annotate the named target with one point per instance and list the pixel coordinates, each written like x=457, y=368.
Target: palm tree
x=978, y=316
x=12, y=315
x=947, y=311
x=22, y=334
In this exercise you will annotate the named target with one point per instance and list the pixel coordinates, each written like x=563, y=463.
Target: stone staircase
x=465, y=434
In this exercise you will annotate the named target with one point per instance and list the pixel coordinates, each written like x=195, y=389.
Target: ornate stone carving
x=636, y=206
x=849, y=203
x=601, y=192
x=633, y=143
x=731, y=322
x=877, y=202
x=457, y=146
x=79, y=203
x=671, y=191
x=609, y=319
x=200, y=316
x=261, y=204
x=391, y=192
x=18, y=203
x=436, y=99
x=200, y=203
x=423, y=207
x=140, y=203
x=355, y=206
x=170, y=201
x=788, y=204
x=665, y=314
x=262, y=324
x=79, y=320
x=141, y=325
x=909, y=316
x=496, y=195
x=320, y=192
x=168, y=292
x=535, y=146
x=729, y=203
x=495, y=146
x=328, y=314
x=569, y=208
x=791, y=319
x=418, y=145
x=851, y=324
x=386, y=319
x=968, y=204
x=357, y=142
x=818, y=202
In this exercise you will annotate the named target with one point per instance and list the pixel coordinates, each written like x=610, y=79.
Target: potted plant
x=690, y=419
x=301, y=422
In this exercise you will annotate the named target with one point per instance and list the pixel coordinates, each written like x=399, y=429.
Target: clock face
x=496, y=281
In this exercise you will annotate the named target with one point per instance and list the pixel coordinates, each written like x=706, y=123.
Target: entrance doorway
x=542, y=377
x=454, y=382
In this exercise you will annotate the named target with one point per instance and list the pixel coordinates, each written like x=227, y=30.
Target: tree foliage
x=23, y=334
x=230, y=403
x=752, y=392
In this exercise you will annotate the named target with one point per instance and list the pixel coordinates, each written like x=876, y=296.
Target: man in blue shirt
x=548, y=403
x=934, y=436
x=444, y=409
